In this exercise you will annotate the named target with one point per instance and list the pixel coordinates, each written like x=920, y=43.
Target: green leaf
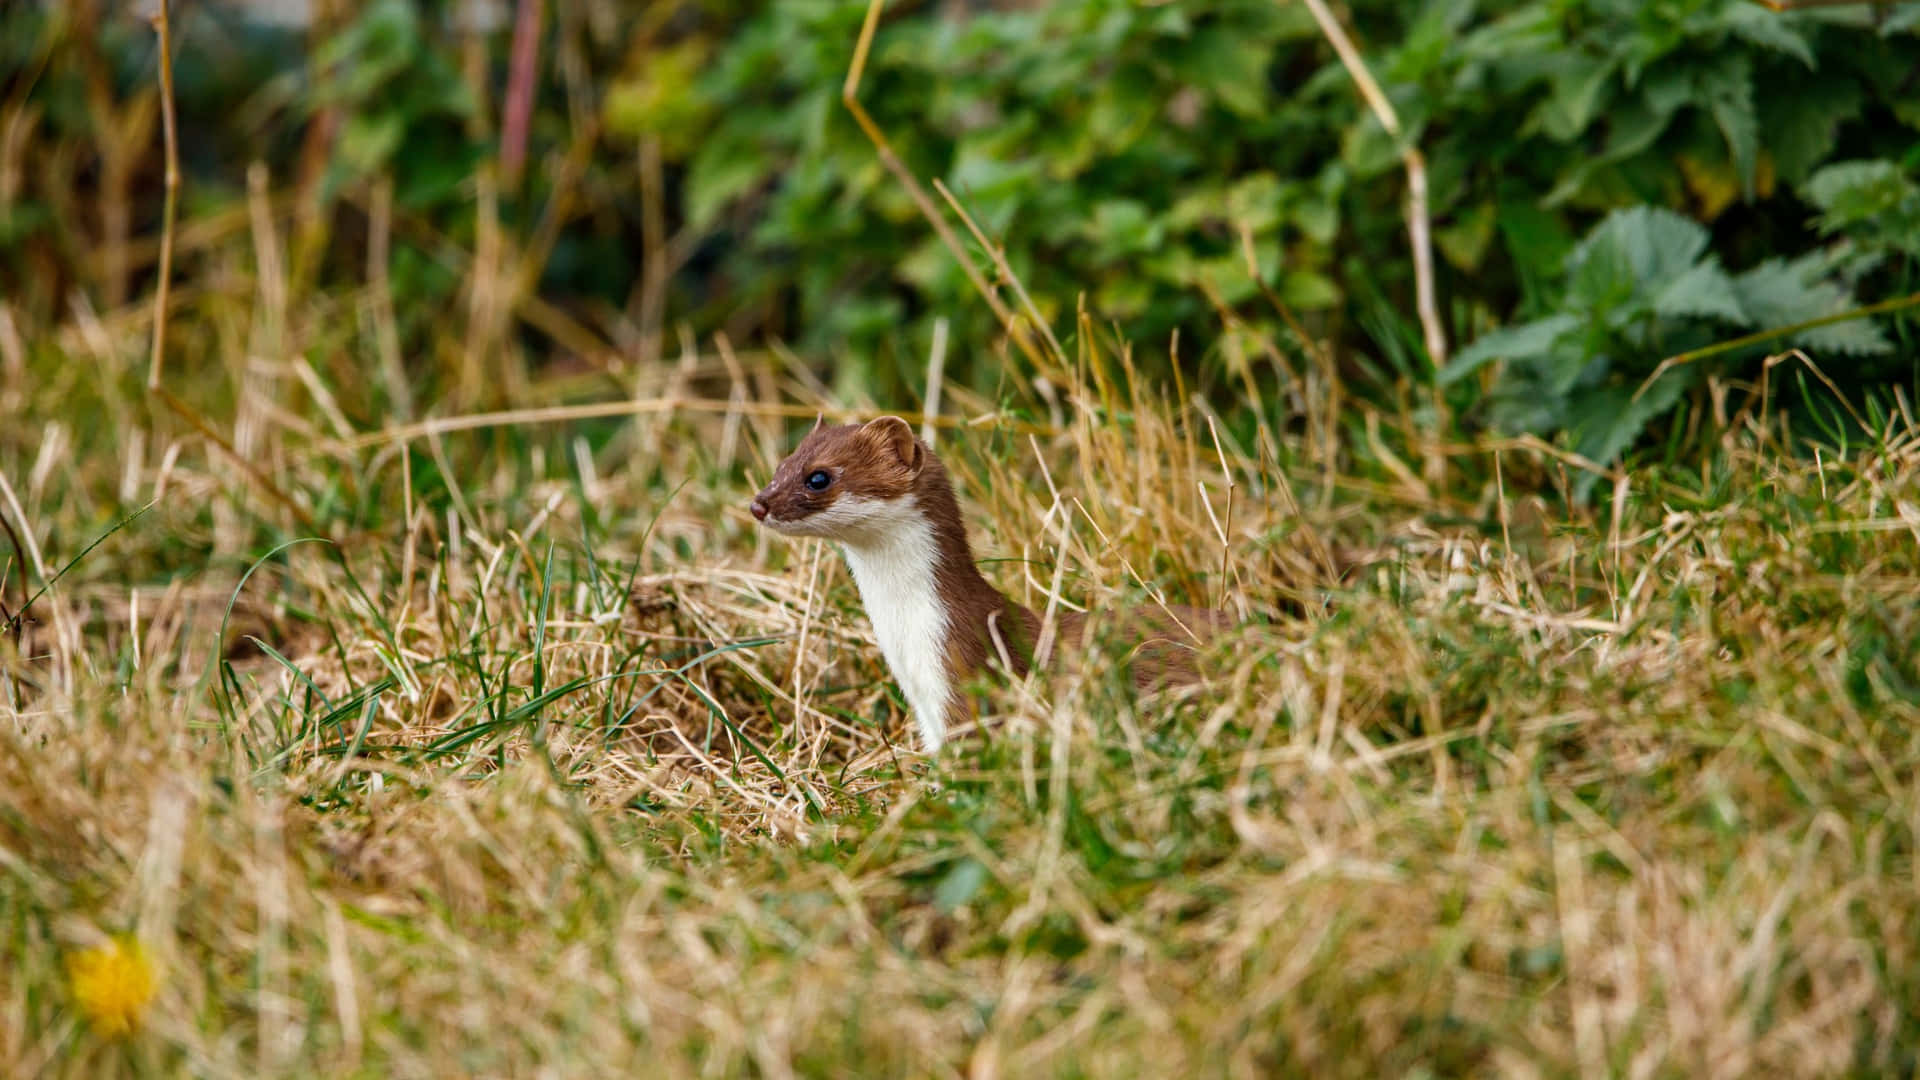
x=1229, y=65
x=1802, y=119
x=1653, y=243
x=1604, y=422
x=1523, y=342
x=991, y=187
x=1705, y=291
x=1900, y=19
x=1633, y=127
x=1367, y=148
x=1309, y=290
x=959, y=885
x=1579, y=93
x=661, y=99
x=1857, y=192
x=1779, y=292
x=722, y=171
x=1123, y=227
x=1728, y=90
x=1536, y=242
x=1768, y=29
x=368, y=140
x=1671, y=88
x=1465, y=241
x=1254, y=202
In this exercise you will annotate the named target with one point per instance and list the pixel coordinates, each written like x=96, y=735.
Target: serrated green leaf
x=1653, y=244
x=1632, y=127
x=1705, y=291
x=722, y=171
x=1670, y=88
x=1728, y=91
x=1536, y=241
x=1768, y=29
x=1802, y=120
x=1579, y=93
x=1602, y=281
x=1779, y=292
x=1309, y=290
x=1605, y=422
x=1523, y=342
x=1851, y=192
x=1228, y=65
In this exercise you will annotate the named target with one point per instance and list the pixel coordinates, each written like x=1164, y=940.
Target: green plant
x=1640, y=287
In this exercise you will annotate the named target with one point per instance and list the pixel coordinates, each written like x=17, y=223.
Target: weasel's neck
x=930, y=608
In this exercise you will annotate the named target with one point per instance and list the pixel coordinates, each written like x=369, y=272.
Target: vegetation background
x=393, y=684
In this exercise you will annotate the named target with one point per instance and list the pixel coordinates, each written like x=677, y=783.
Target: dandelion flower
x=112, y=984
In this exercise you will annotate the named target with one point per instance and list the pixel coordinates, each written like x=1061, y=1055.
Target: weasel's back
x=1160, y=644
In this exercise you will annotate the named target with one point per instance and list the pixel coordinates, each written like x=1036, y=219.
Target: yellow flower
x=112, y=984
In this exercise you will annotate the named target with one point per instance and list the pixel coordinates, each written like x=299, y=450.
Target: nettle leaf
x=1523, y=342
x=1634, y=126
x=1802, y=119
x=1780, y=292
x=1728, y=91
x=1536, y=241
x=1856, y=192
x=1579, y=94
x=1653, y=244
x=1309, y=290
x=1705, y=292
x=1604, y=422
x=1230, y=66
x=1602, y=281
x=1122, y=228
x=1903, y=18
x=724, y=169
x=1523, y=33
x=1255, y=202
x=1756, y=25
x=992, y=187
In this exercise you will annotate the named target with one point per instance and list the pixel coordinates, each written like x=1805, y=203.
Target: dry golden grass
x=532, y=756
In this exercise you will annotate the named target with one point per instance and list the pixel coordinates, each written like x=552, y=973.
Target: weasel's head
x=854, y=484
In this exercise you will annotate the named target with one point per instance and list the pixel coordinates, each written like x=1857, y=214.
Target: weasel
x=882, y=495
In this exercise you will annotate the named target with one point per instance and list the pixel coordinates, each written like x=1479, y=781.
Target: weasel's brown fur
x=879, y=482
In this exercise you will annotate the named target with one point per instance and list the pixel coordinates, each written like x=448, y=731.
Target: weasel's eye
x=818, y=480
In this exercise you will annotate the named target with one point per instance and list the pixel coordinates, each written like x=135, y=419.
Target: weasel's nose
x=759, y=508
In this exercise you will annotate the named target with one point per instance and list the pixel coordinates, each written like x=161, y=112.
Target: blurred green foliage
x=1139, y=159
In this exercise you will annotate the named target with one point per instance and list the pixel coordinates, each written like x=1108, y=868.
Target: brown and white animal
x=883, y=496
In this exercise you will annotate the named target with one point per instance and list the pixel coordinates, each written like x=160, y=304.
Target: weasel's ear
x=892, y=434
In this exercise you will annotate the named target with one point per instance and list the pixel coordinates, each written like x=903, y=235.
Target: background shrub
x=1130, y=158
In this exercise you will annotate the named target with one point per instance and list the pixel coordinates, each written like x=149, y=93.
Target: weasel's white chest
x=901, y=595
